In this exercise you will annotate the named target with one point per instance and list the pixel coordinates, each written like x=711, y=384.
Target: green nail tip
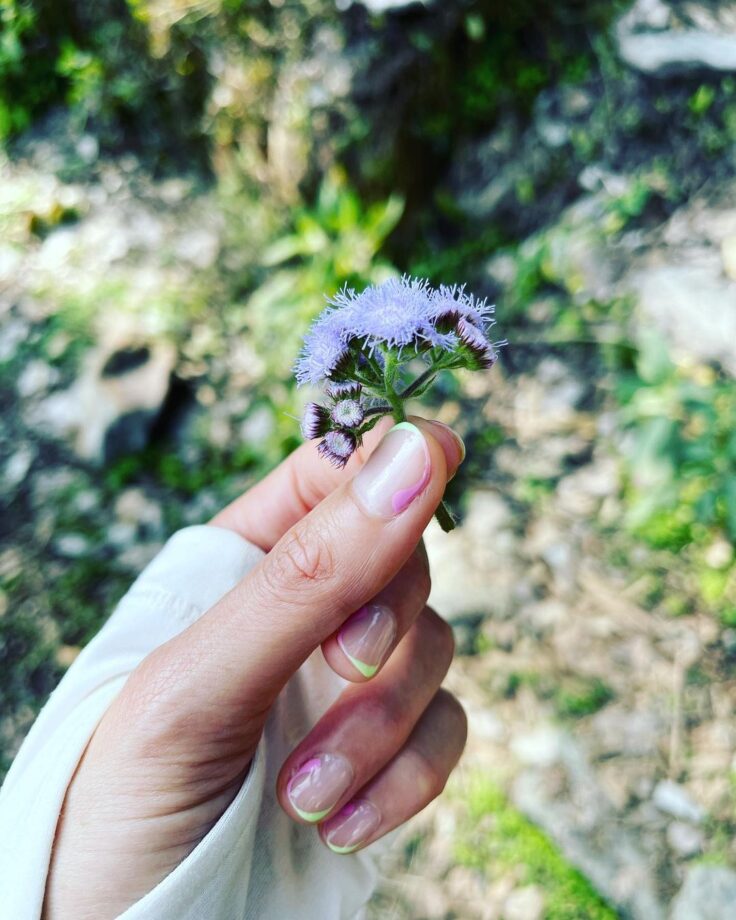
x=367, y=670
x=341, y=851
x=312, y=816
x=407, y=426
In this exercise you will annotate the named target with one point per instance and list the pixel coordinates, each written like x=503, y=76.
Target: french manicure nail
x=396, y=472
x=351, y=826
x=459, y=443
x=367, y=636
x=318, y=785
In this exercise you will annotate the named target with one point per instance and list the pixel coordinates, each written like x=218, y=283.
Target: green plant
x=335, y=242
x=495, y=837
x=681, y=447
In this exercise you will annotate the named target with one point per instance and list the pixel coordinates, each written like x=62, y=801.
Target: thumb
x=232, y=663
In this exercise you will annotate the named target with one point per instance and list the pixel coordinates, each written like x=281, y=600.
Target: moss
x=494, y=837
x=580, y=697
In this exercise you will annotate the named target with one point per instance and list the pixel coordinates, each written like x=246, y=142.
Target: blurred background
x=180, y=183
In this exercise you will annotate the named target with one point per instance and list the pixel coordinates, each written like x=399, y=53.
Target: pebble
x=673, y=799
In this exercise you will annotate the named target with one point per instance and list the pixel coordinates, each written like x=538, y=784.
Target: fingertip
x=451, y=443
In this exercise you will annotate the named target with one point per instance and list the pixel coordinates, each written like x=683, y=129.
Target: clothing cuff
x=199, y=565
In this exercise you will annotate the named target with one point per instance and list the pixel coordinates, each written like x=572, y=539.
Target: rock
x=385, y=6
x=684, y=839
x=673, y=799
x=524, y=904
x=13, y=333
x=694, y=307
x=545, y=402
x=709, y=893
x=35, y=378
x=570, y=805
x=133, y=506
x=632, y=732
x=72, y=545
x=16, y=468
x=540, y=748
x=479, y=555
x=728, y=256
x=119, y=397
x=647, y=42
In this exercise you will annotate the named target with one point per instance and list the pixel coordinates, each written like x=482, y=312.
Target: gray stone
x=684, y=839
x=571, y=806
x=524, y=904
x=676, y=51
x=12, y=333
x=134, y=507
x=119, y=397
x=35, y=378
x=673, y=799
x=17, y=466
x=695, y=308
x=385, y=6
x=72, y=545
x=709, y=893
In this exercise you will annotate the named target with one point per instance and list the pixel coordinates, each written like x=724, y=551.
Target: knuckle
x=303, y=557
x=430, y=779
x=455, y=715
x=155, y=702
x=386, y=716
x=442, y=637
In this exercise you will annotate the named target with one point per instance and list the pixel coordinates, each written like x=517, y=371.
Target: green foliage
x=494, y=837
x=681, y=447
x=582, y=697
x=27, y=77
x=335, y=242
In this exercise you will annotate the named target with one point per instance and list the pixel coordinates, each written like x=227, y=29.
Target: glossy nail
x=318, y=785
x=351, y=826
x=396, y=472
x=455, y=438
x=367, y=636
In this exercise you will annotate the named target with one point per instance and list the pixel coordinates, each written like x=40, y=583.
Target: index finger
x=265, y=512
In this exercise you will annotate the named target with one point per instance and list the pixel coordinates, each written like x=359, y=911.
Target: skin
x=173, y=749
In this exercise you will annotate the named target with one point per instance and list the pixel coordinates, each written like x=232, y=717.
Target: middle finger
x=368, y=724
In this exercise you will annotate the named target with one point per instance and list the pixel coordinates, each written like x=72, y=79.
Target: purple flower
x=483, y=352
x=395, y=314
x=347, y=390
x=453, y=302
x=337, y=447
x=351, y=339
x=325, y=349
x=347, y=413
x=315, y=421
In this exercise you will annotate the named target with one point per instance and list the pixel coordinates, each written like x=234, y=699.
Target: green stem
x=442, y=514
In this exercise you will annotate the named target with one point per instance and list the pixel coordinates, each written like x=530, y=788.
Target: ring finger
x=414, y=777
x=367, y=725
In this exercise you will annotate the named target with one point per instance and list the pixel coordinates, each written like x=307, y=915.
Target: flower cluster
x=360, y=345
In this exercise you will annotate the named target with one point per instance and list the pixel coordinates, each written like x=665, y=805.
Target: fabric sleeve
x=194, y=570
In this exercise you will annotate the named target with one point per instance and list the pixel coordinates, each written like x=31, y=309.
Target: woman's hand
x=344, y=569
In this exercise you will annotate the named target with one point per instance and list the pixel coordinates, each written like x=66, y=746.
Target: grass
x=494, y=838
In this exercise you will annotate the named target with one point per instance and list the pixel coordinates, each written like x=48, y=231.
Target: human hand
x=173, y=749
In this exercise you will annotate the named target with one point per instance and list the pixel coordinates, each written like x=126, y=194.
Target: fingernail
x=318, y=785
x=458, y=441
x=367, y=636
x=396, y=472
x=351, y=826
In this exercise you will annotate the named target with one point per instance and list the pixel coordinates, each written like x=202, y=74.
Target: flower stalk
x=359, y=346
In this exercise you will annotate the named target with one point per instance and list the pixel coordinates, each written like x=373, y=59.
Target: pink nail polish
x=351, y=826
x=396, y=472
x=366, y=637
x=318, y=785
